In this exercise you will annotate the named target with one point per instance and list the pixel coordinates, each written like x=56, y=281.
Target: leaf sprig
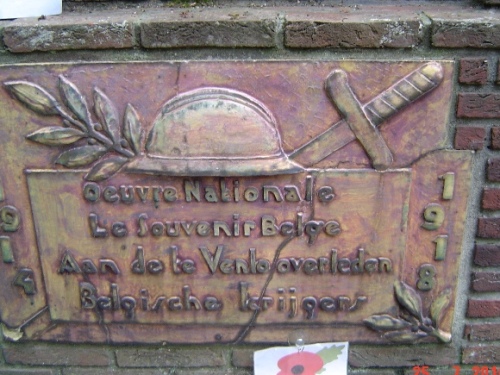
x=104, y=136
x=412, y=325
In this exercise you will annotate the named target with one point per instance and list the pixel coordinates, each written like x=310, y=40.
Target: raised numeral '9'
x=433, y=216
x=9, y=219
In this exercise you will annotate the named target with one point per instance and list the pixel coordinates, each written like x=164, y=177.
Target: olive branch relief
x=412, y=325
x=109, y=145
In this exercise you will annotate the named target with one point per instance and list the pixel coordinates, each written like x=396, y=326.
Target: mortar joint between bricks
x=426, y=26
x=279, y=34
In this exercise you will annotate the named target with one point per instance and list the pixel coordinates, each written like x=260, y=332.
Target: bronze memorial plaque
x=229, y=201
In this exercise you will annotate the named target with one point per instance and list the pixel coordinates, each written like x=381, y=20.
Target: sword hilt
x=404, y=92
x=337, y=87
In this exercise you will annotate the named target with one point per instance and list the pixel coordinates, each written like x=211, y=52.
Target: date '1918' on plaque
x=229, y=202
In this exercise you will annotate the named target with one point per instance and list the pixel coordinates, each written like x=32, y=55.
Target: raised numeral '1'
x=6, y=250
x=448, y=185
x=441, y=245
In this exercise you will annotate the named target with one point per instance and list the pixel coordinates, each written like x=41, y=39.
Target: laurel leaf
x=80, y=156
x=405, y=337
x=56, y=136
x=74, y=100
x=33, y=96
x=106, y=168
x=107, y=114
x=132, y=130
x=408, y=298
x=439, y=305
x=385, y=323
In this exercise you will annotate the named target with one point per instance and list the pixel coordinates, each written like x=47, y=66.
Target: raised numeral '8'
x=426, y=274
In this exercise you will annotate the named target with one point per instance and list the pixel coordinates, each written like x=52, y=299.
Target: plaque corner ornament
x=11, y=334
x=412, y=325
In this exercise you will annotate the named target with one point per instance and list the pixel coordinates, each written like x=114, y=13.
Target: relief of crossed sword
x=361, y=121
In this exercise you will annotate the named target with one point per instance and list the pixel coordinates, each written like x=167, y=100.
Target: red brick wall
x=478, y=99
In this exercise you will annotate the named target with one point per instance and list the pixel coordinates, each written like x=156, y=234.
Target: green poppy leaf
x=330, y=354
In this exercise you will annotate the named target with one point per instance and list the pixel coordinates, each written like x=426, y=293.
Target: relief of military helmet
x=214, y=132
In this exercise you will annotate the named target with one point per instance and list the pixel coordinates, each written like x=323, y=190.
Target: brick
x=243, y=357
x=473, y=71
x=472, y=105
x=233, y=27
x=462, y=27
x=57, y=355
x=163, y=371
x=488, y=227
x=486, y=281
x=493, y=170
x=469, y=138
x=487, y=255
x=481, y=308
x=28, y=371
x=365, y=27
x=490, y=199
x=170, y=358
x=482, y=331
x=111, y=371
x=481, y=354
x=70, y=32
x=490, y=2
x=402, y=355
x=498, y=72
x=371, y=372
x=495, y=138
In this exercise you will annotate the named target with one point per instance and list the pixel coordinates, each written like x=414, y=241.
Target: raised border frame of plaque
x=229, y=201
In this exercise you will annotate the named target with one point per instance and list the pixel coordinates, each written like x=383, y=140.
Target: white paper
x=332, y=356
x=29, y=8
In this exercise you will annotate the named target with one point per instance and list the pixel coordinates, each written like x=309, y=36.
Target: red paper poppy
x=301, y=363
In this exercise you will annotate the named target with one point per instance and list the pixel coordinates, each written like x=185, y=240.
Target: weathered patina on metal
x=233, y=201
